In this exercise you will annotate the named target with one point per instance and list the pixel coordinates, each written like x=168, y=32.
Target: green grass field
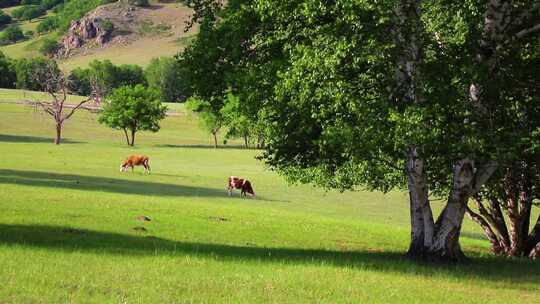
x=69, y=230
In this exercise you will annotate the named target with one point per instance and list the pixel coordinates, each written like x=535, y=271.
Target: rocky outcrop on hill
x=106, y=24
x=86, y=30
x=121, y=24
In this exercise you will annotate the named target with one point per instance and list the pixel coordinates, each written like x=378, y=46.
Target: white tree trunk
x=422, y=225
x=446, y=241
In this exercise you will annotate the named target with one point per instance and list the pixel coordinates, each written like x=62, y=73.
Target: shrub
x=108, y=77
x=164, y=75
x=48, y=4
x=30, y=2
x=79, y=82
x=7, y=72
x=11, y=34
x=49, y=47
x=28, y=12
x=48, y=24
x=5, y=19
x=142, y=3
x=28, y=70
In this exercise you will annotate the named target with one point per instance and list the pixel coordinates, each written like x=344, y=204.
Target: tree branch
x=534, y=236
x=46, y=107
x=75, y=109
x=495, y=242
x=482, y=175
x=527, y=31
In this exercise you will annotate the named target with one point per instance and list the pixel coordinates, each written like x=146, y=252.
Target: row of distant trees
x=163, y=80
x=165, y=77
x=162, y=75
x=129, y=97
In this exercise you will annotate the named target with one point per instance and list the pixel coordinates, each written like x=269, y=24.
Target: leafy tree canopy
x=133, y=108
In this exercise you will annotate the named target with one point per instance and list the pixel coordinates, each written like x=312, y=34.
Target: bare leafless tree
x=55, y=85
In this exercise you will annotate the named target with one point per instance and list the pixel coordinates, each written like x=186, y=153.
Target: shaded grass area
x=69, y=239
x=32, y=139
x=102, y=184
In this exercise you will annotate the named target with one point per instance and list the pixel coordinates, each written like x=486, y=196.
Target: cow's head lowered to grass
x=243, y=184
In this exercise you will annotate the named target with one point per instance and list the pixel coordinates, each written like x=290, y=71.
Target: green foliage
x=49, y=47
x=133, y=108
x=110, y=76
x=239, y=125
x=28, y=12
x=209, y=120
x=107, y=26
x=107, y=77
x=167, y=77
x=214, y=65
x=48, y=24
x=4, y=18
x=319, y=78
x=68, y=12
x=79, y=81
x=29, y=71
x=43, y=4
x=142, y=3
x=8, y=77
x=11, y=34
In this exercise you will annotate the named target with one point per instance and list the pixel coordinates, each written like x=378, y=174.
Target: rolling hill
x=149, y=32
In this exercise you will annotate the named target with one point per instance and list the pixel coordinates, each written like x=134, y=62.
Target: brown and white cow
x=243, y=184
x=136, y=160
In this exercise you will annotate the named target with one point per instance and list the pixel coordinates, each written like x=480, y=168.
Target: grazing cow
x=243, y=184
x=136, y=160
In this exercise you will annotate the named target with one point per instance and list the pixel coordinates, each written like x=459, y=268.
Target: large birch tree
x=396, y=94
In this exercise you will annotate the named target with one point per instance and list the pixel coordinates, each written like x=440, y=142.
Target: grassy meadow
x=70, y=233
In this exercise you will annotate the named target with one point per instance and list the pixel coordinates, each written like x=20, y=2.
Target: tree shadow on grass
x=32, y=139
x=102, y=184
x=70, y=239
x=106, y=184
x=209, y=147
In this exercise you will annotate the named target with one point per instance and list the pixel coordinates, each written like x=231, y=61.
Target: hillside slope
x=140, y=34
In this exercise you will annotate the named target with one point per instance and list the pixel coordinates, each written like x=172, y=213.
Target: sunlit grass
x=69, y=230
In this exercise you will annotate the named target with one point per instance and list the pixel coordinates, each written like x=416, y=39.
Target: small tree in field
x=54, y=83
x=210, y=119
x=238, y=123
x=133, y=108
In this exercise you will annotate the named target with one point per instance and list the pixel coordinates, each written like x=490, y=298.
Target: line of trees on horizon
x=164, y=76
x=129, y=101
